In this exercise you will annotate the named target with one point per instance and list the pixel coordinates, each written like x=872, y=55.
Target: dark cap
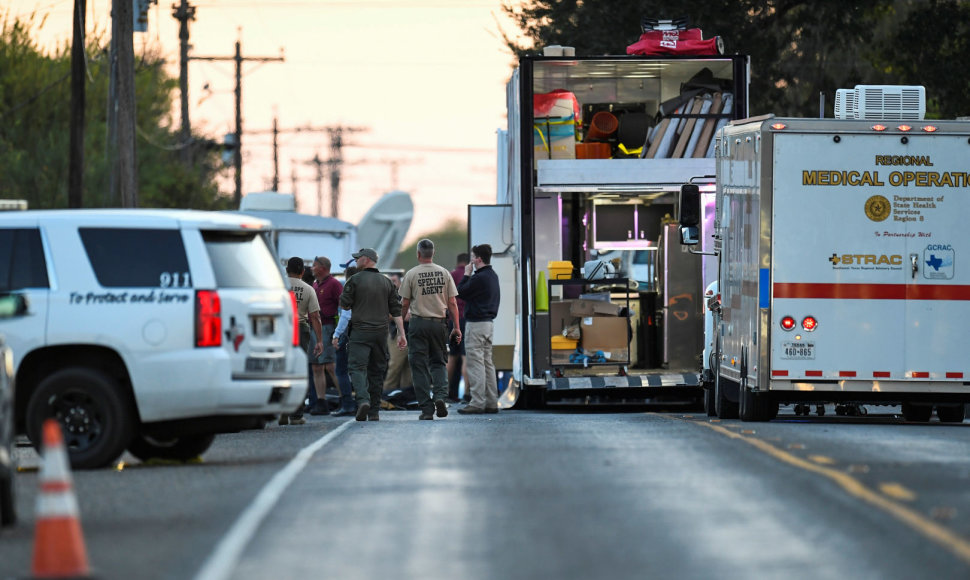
x=369, y=252
x=347, y=264
x=294, y=265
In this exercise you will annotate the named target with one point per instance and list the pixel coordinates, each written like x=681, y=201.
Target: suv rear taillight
x=208, y=318
x=296, y=320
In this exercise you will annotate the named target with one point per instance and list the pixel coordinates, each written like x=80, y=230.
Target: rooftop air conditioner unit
x=845, y=107
x=890, y=102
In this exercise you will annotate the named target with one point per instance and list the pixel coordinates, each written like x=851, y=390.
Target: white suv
x=148, y=330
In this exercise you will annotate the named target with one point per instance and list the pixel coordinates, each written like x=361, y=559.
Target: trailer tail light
x=929, y=129
x=904, y=128
x=779, y=126
x=809, y=323
x=208, y=318
x=787, y=323
x=878, y=127
x=296, y=320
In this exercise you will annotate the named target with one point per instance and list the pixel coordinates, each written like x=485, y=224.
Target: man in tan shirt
x=428, y=292
x=308, y=312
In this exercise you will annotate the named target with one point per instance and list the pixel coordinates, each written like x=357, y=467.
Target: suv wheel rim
x=80, y=418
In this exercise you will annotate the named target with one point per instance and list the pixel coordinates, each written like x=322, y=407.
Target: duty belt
x=427, y=317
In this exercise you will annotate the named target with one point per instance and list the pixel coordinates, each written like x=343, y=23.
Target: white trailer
x=297, y=234
x=571, y=191
x=843, y=265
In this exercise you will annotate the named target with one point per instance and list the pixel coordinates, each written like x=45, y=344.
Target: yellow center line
x=956, y=544
x=897, y=491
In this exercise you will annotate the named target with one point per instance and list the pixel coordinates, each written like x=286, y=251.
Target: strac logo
x=866, y=260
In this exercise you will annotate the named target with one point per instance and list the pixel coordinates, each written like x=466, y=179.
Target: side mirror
x=689, y=236
x=12, y=305
x=690, y=205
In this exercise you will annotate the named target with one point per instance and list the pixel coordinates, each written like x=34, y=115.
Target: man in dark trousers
x=429, y=294
x=480, y=290
x=373, y=299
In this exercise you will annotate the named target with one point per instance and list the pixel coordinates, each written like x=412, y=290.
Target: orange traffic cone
x=58, y=543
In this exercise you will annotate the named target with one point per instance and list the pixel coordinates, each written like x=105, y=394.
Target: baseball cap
x=369, y=252
x=348, y=263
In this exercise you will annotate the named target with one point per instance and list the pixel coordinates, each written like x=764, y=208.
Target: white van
x=148, y=330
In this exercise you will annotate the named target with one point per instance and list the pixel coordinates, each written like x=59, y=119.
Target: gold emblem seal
x=878, y=208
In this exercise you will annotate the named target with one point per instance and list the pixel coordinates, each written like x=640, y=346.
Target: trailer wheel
x=917, y=413
x=756, y=406
x=951, y=413
x=710, y=403
x=724, y=407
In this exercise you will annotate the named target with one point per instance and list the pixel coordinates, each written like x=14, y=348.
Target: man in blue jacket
x=480, y=290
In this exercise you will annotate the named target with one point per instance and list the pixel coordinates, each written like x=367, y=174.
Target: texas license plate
x=798, y=350
x=265, y=365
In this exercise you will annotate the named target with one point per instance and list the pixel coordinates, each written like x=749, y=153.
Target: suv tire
x=176, y=448
x=95, y=416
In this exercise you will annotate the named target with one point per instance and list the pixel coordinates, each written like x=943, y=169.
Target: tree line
x=798, y=48
x=34, y=128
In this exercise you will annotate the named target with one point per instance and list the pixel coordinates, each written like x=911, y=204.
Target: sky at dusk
x=423, y=79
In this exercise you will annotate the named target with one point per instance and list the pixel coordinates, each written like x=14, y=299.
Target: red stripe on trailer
x=779, y=373
x=954, y=375
x=846, y=373
x=813, y=373
x=871, y=291
x=881, y=374
x=920, y=375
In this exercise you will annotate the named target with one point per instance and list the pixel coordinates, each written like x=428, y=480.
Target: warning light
x=929, y=129
x=904, y=128
x=809, y=323
x=878, y=127
x=779, y=126
x=787, y=323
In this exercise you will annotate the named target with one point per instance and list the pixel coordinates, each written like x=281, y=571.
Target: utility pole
x=318, y=163
x=239, y=59
x=334, y=163
x=184, y=12
x=276, y=156
x=75, y=171
x=121, y=107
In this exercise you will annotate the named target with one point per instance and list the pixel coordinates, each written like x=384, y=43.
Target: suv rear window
x=242, y=260
x=137, y=258
x=22, y=262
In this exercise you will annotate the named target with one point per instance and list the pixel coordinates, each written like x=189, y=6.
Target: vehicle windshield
x=242, y=260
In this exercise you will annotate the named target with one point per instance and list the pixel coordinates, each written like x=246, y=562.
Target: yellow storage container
x=562, y=343
x=560, y=270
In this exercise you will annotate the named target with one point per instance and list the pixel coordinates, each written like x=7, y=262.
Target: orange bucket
x=602, y=125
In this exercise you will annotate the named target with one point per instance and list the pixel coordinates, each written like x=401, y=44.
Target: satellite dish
x=384, y=226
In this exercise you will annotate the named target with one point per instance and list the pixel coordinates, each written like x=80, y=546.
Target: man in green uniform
x=373, y=299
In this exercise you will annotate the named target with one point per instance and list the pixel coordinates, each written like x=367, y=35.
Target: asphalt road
x=522, y=495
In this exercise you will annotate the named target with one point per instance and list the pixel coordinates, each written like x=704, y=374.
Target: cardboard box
x=560, y=316
x=584, y=308
x=606, y=333
x=554, y=138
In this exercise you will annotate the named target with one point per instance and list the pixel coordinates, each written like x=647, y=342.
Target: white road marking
x=225, y=557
